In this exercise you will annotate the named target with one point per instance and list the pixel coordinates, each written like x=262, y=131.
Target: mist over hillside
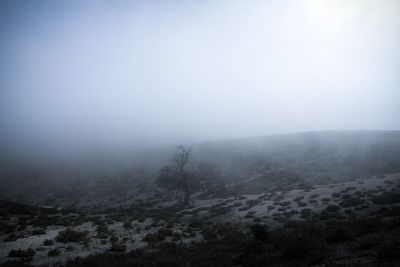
x=328, y=189
x=337, y=155
x=255, y=164
x=199, y=133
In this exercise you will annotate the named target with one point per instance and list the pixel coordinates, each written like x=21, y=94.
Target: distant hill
x=248, y=165
x=305, y=158
x=8, y=208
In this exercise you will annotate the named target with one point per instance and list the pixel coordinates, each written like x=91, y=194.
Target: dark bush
x=367, y=242
x=298, y=198
x=249, y=215
x=338, y=233
x=301, y=244
x=365, y=226
x=196, y=222
x=165, y=232
x=7, y=228
x=332, y=208
x=351, y=202
x=54, y=252
x=39, y=231
x=103, y=231
x=305, y=213
x=285, y=203
x=20, y=253
x=260, y=232
x=153, y=237
x=48, y=242
x=389, y=250
x=302, y=204
x=386, y=198
x=70, y=235
x=127, y=225
x=118, y=247
x=176, y=236
x=12, y=237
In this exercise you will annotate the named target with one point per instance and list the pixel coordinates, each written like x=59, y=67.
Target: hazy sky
x=98, y=73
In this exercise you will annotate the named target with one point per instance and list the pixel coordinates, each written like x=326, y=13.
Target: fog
x=106, y=75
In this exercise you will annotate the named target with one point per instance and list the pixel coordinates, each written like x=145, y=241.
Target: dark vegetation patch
x=154, y=237
x=332, y=208
x=102, y=231
x=71, y=235
x=39, y=231
x=350, y=201
x=7, y=227
x=8, y=208
x=298, y=243
x=24, y=255
x=54, y=252
x=13, y=237
x=386, y=198
x=118, y=247
x=48, y=242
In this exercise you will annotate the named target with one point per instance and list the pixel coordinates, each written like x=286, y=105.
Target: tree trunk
x=186, y=198
x=186, y=188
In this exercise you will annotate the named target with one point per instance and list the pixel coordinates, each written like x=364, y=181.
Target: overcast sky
x=97, y=73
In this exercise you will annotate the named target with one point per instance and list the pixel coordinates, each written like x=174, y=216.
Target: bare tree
x=183, y=176
x=181, y=160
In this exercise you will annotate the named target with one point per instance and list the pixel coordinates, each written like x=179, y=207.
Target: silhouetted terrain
x=199, y=133
x=250, y=165
x=302, y=199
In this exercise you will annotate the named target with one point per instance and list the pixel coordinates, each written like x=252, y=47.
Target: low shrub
x=297, y=199
x=21, y=253
x=389, y=250
x=48, y=242
x=332, y=208
x=338, y=233
x=260, y=232
x=127, y=225
x=165, y=232
x=103, y=231
x=301, y=242
x=176, y=236
x=118, y=247
x=70, y=235
x=12, y=237
x=54, y=252
x=7, y=228
x=351, y=202
x=386, y=198
x=39, y=231
x=153, y=237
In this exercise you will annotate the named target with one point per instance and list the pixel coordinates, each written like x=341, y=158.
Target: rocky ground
x=49, y=238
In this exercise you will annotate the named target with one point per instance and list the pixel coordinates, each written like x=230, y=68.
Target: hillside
x=314, y=157
x=353, y=223
x=305, y=199
x=247, y=166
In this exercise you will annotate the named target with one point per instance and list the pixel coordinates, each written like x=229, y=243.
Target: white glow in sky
x=166, y=71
